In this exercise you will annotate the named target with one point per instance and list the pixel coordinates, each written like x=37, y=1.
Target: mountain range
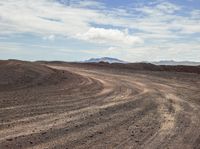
x=171, y=62
x=104, y=59
x=163, y=62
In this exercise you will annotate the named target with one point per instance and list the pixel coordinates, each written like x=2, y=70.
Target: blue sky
x=75, y=30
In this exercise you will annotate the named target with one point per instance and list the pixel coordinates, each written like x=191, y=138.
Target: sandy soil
x=93, y=107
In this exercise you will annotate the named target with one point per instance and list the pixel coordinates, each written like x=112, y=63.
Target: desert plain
x=58, y=105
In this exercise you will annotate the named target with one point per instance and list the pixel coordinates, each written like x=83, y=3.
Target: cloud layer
x=109, y=36
x=140, y=26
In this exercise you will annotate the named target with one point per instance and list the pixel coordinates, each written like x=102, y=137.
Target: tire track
x=102, y=109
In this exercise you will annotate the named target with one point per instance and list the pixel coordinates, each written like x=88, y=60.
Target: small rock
x=44, y=133
x=137, y=141
x=10, y=139
x=67, y=129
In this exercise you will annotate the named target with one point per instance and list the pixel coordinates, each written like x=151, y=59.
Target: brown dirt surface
x=59, y=105
x=16, y=74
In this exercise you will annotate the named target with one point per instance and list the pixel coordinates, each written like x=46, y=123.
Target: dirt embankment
x=131, y=66
x=16, y=74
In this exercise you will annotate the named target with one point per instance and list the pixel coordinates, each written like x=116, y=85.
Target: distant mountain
x=162, y=62
x=173, y=63
x=104, y=59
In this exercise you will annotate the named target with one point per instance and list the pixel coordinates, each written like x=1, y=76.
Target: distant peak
x=105, y=59
x=172, y=62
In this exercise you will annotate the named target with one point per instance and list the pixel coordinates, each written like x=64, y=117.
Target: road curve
x=106, y=109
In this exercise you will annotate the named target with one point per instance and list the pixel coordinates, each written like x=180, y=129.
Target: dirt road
x=98, y=108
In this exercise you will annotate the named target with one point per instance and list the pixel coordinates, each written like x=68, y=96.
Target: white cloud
x=46, y=17
x=159, y=9
x=88, y=3
x=195, y=14
x=167, y=7
x=42, y=17
x=109, y=36
x=50, y=37
x=159, y=22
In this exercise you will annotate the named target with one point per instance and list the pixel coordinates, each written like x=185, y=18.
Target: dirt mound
x=152, y=67
x=187, y=69
x=134, y=67
x=20, y=74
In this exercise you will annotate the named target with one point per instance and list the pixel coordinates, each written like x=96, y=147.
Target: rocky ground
x=68, y=105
